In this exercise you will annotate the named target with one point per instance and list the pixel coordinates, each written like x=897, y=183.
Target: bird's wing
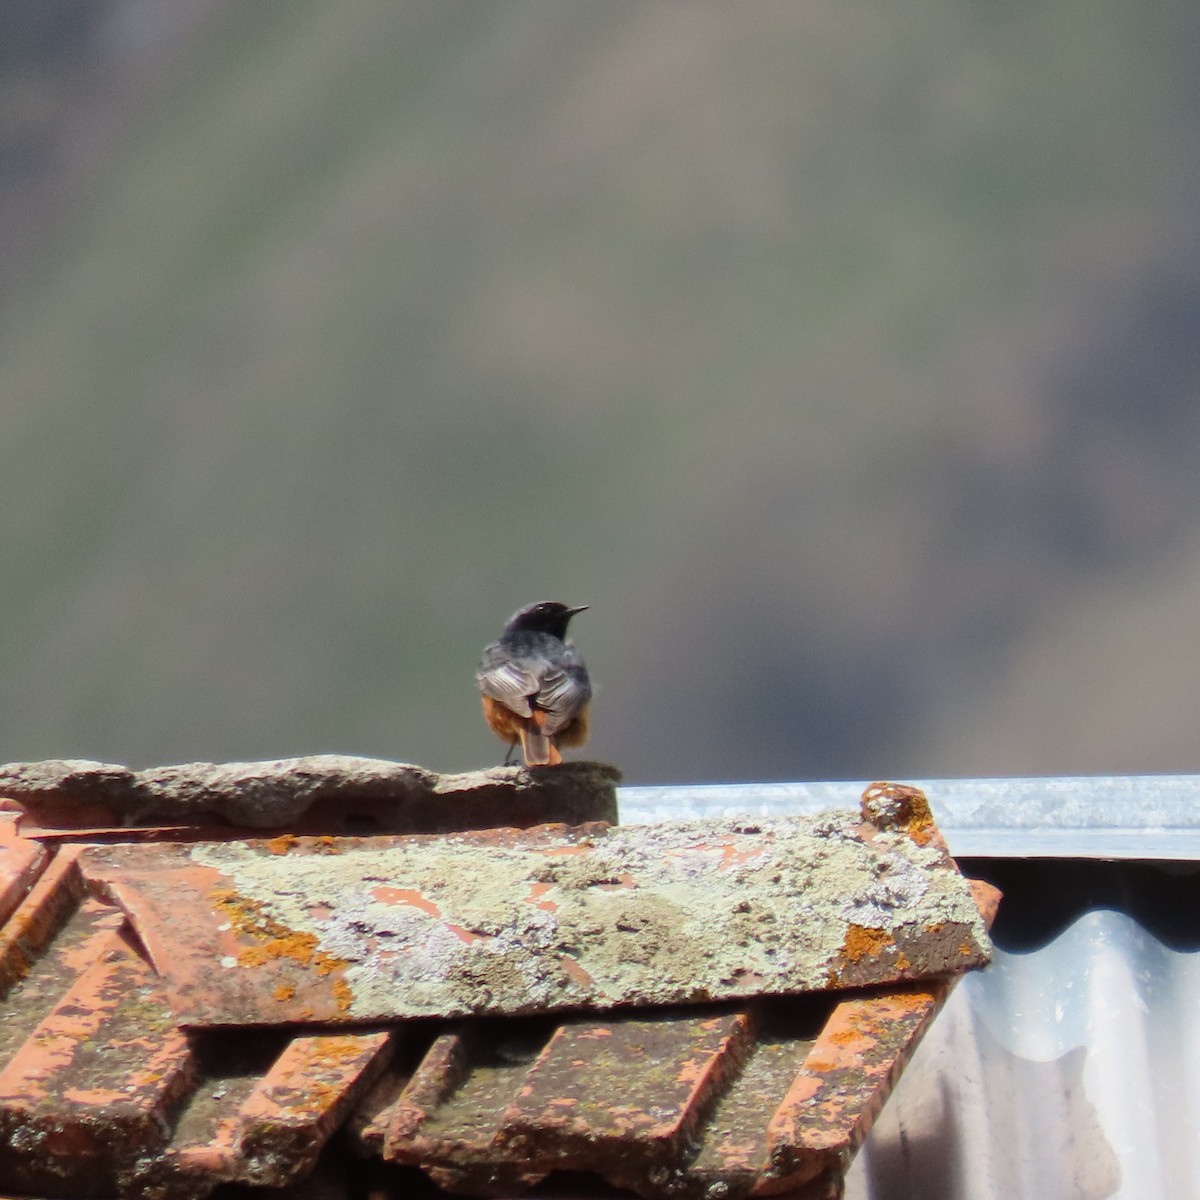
x=508, y=683
x=562, y=694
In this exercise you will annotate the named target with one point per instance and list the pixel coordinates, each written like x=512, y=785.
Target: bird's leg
x=508, y=757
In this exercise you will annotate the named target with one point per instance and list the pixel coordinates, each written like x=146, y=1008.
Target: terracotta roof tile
x=21, y=861
x=756, y=1100
x=262, y=1109
x=99, y=1078
x=555, y=918
x=103, y=1092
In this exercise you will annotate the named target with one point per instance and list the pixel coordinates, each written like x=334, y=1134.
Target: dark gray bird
x=535, y=685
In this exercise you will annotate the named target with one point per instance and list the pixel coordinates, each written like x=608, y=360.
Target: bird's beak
x=582, y=608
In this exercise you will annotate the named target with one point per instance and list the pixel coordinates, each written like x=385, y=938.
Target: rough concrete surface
x=276, y=793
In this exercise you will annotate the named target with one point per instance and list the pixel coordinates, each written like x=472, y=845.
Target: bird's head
x=547, y=616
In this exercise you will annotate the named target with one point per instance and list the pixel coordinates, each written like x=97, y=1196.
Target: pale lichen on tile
x=510, y=921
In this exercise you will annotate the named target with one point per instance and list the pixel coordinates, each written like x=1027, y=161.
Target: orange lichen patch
x=300, y=947
x=343, y=995
x=270, y=939
x=903, y=808
x=285, y=843
x=919, y=814
x=284, y=992
x=846, y=1037
x=410, y=896
x=865, y=940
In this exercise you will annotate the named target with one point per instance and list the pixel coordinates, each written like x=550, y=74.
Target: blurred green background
x=845, y=360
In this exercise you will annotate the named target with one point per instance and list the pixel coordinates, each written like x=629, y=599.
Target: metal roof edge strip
x=1102, y=816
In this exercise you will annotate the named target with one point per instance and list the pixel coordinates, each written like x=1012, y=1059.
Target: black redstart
x=535, y=685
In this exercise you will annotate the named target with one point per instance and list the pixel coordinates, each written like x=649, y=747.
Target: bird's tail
x=538, y=749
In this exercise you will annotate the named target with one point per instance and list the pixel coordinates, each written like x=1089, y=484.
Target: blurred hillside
x=844, y=360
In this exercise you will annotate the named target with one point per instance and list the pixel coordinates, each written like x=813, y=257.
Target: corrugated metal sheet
x=1071, y=1072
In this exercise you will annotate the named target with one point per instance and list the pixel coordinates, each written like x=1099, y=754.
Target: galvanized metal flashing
x=1112, y=817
